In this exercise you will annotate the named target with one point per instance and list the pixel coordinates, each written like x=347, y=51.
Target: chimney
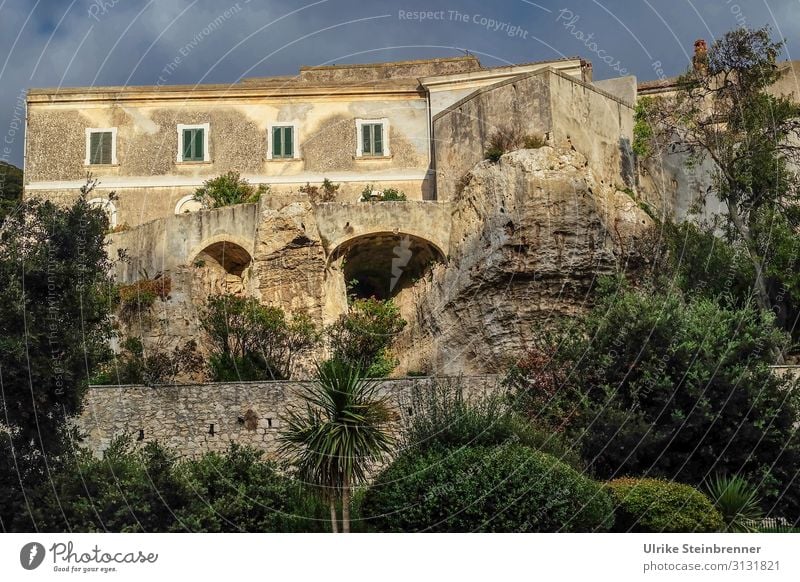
x=700, y=58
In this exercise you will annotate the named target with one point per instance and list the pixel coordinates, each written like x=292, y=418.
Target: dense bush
x=240, y=491
x=654, y=506
x=54, y=329
x=507, y=488
x=148, y=489
x=362, y=336
x=227, y=190
x=155, y=365
x=251, y=341
x=443, y=418
x=662, y=386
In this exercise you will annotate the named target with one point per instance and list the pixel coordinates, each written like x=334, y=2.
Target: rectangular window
x=100, y=144
x=193, y=144
x=372, y=139
x=283, y=142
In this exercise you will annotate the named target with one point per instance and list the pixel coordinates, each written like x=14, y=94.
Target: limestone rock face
x=289, y=259
x=530, y=236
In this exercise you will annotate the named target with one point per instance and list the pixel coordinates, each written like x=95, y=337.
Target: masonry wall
x=597, y=124
x=462, y=132
x=149, y=180
x=248, y=413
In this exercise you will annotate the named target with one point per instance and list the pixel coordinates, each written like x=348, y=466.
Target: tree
x=251, y=341
x=682, y=389
x=11, y=184
x=54, y=331
x=229, y=189
x=343, y=430
x=362, y=336
x=723, y=112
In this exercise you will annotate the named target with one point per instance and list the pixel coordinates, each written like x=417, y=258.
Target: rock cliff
x=530, y=236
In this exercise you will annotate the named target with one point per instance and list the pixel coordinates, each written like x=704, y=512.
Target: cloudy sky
x=47, y=43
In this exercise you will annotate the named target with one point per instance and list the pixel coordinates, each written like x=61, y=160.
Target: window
x=282, y=142
x=101, y=146
x=193, y=143
x=372, y=138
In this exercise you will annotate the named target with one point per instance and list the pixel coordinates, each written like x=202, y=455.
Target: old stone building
x=479, y=256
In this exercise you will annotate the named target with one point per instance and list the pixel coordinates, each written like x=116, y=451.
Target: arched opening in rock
x=380, y=265
x=231, y=257
x=223, y=267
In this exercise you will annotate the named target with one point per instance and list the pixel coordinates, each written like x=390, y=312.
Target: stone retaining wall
x=197, y=418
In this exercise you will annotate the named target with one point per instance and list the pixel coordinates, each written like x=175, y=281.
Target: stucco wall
x=147, y=145
x=597, y=124
x=180, y=417
x=462, y=132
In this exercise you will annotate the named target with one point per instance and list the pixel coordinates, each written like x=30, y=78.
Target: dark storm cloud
x=117, y=42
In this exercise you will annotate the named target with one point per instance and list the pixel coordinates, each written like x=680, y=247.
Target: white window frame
x=89, y=132
x=108, y=207
x=360, y=137
x=206, y=127
x=295, y=140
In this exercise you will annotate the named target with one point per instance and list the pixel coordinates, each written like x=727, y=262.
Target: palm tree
x=737, y=501
x=343, y=430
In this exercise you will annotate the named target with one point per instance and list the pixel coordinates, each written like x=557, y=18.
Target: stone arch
x=108, y=207
x=223, y=264
x=380, y=264
x=188, y=204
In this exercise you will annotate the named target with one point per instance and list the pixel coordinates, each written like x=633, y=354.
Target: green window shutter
x=367, y=141
x=288, y=150
x=277, y=150
x=193, y=145
x=198, y=144
x=100, y=143
x=187, y=144
x=94, y=148
x=378, y=140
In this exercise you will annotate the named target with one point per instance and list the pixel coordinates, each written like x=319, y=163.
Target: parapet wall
x=462, y=132
x=198, y=418
x=569, y=112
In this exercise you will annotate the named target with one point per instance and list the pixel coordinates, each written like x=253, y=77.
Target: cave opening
x=383, y=264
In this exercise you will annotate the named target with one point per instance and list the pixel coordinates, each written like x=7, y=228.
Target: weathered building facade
x=353, y=124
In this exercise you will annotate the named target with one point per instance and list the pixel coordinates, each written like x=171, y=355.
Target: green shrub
x=508, y=139
x=654, y=506
x=493, y=154
x=362, y=336
x=148, y=489
x=443, y=418
x=240, y=491
x=668, y=385
x=509, y=488
x=251, y=341
x=156, y=365
x=386, y=195
x=227, y=190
